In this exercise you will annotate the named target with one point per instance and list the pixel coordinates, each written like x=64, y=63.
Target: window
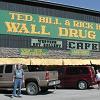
x=33, y=68
x=8, y=68
x=73, y=71
x=1, y=68
x=25, y=68
x=84, y=70
x=51, y=68
x=77, y=70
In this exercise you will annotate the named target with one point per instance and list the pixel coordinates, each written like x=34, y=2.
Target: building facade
x=40, y=29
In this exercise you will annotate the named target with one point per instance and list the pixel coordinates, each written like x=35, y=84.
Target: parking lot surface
x=58, y=94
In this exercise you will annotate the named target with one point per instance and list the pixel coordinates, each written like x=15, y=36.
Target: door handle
x=0, y=75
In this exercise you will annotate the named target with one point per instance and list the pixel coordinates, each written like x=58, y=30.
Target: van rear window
x=78, y=70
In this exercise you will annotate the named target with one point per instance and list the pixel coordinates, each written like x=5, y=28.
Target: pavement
x=58, y=94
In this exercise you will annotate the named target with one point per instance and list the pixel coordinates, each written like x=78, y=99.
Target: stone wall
x=16, y=52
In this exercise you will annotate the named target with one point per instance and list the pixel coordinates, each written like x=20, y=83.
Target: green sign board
x=28, y=24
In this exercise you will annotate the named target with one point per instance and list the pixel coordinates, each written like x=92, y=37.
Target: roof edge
x=53, y=5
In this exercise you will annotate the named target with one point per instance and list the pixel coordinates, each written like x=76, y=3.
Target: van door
x=71, y=76
x=1, y=75
x=8, y=76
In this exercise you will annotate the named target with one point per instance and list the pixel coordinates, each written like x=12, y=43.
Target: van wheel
x=32, y=88
x=82, y=85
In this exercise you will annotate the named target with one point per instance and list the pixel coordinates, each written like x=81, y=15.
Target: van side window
x=1, y=68
x=73, y=71
x=8, y=68
x=84, y=70
x=78, y=70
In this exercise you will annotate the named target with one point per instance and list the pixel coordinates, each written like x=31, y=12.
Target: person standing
x=98, y=78
x=18, y=79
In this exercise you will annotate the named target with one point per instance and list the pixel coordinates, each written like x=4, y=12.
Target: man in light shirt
x=98, y=78
x=18, y=79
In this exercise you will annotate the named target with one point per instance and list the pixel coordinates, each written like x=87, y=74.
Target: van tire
x=82, y=85
x=32, y=88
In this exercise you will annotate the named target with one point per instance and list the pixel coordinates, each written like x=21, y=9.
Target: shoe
x=19, y=95
x=14, y=95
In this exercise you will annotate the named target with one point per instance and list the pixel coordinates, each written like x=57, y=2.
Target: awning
x=31, y=61
x=60, y=62
x=46, y=61
x=95, y=61
x=35, y=61
x=14, y=61
x=76, y=62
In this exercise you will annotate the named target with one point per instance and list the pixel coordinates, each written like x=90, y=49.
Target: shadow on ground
x=73, y=88
x=8, y=93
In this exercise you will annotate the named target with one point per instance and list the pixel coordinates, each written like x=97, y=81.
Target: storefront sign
x=18, y=23
x=81, y=45
x=46, y=43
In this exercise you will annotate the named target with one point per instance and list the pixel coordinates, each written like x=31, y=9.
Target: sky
x=88, y=4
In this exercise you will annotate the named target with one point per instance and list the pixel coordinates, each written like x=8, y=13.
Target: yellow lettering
x=98, y=26
x=83, y=24
x=76, y=33
x=33, y=29
x=49, y=20
x=43, y=31
x=81, y=35
x=90, y=26
x=76, y=24
x=57, y=21
x=24, y=17
x=12, y=15
x=28, y=18
x=23, y=29
x=91, y=35
x=67, y=23
x=63, y=31
x=41, y=19
x=12, y=27
x=73, y=33
x=20, y=17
